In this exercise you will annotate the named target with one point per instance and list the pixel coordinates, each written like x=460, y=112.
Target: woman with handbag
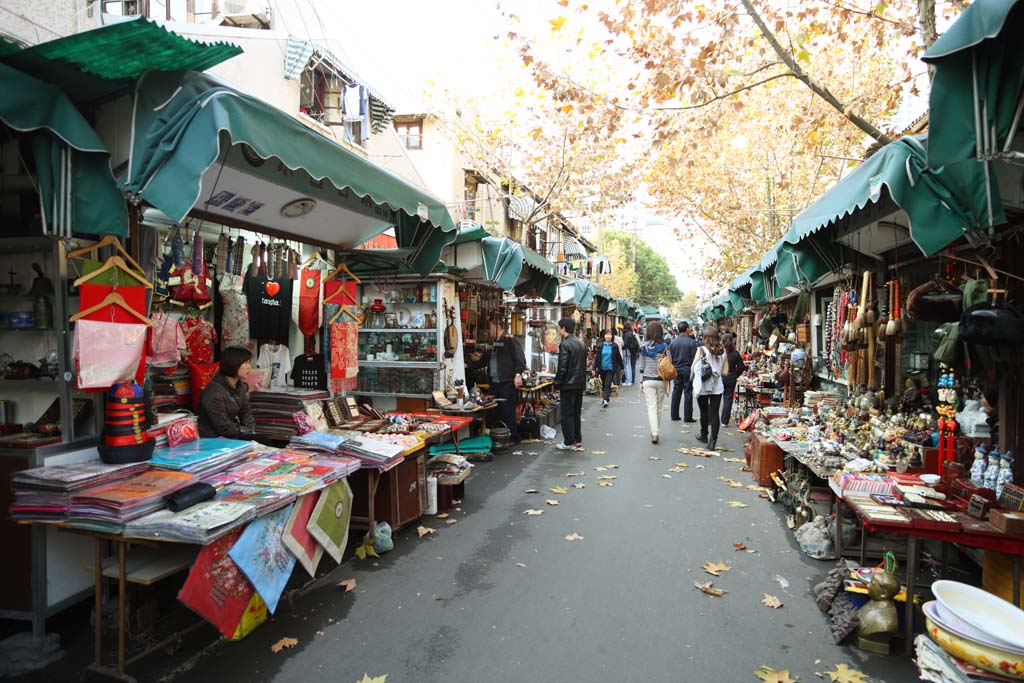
x=652, y=384
x=706, y=374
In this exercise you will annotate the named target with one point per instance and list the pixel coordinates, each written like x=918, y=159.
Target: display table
x=979, y=535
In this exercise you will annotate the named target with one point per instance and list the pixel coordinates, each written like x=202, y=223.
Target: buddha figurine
x=879, y=619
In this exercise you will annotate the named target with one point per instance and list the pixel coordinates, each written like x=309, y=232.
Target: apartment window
x=471, y=197
x=242, y=13
x=411, y=133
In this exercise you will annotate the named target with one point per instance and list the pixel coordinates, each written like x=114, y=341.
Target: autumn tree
x=655, y=283
x=622, y=282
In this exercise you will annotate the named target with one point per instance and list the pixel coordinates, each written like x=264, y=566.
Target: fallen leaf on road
x=739, y=545
x=666, y=476
x=699, y=452
x=376, y=679
x=612, y=467
x=451, y=521
x=771, y=601
x=715, y=568
x=366, y=549
x=653, y=457
x=708, y=589
x=518, y=452
x=576, y=474
x=579, y=486
x=283, y=643
x=605, y=483
x=443, y=515
x=424, y=530
x=739, y=460
x=681, y=464
x=558, y=489
x=531, y=491
x=844, y=674
x=551, y=501
x=521, y=565
x=600, y=469
x=606, y=477
x=737, y=504
x=769, y=675
x=752, y=487
x=678, y=469
x=533, y=513
x=348, y=584
x=599, y=452
x=574, y=537
x=701, y=467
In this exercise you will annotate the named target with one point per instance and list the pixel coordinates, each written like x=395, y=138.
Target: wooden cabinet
x=401, y=494
x=765, y=458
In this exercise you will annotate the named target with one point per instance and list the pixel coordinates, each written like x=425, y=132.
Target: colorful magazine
x=329, y=522
x=262, y=556
x=298, y=539
x=263, y=498
x=200, y=454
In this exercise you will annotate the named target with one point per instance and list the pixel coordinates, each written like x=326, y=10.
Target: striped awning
x=572, y=248
x=521, y=208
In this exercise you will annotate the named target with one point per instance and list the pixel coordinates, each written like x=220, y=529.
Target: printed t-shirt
x=309, y=371
x=279, y=361
x=270, y=306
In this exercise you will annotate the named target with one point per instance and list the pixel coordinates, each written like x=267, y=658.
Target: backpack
x=666, y=370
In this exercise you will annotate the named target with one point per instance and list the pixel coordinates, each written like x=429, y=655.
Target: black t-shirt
x=310, y=371
x=736, y=364
x=270, y=307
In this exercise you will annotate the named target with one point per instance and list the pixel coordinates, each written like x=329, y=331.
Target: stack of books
x=43, y=494
x=274, y=410
x=203, y=457
x=202, y=523
x=109, y=507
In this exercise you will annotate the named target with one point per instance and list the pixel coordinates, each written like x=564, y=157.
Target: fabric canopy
x=62, y=141
x=509, y=264
x=197, y=143
x=977, y=94
x=94, y=64
x=578, y=292
x=942, y=205
x=604, y=298
x=809, y=261
x=737, y=302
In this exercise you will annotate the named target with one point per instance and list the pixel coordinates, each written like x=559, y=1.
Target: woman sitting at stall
x=224, y=405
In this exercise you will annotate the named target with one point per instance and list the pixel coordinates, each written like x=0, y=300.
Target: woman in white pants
x=652, y=386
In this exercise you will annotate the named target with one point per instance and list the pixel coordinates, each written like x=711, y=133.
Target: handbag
x=666, y=370
x=705, y=368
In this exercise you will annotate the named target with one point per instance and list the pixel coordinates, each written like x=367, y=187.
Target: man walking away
x=682, y=350
x=505, y=363
x=630, y=349
x=607, y=364
x=570, y=381
x=736, y=368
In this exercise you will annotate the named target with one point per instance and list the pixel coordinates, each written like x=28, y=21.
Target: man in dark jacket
x=571, y=380
x=682, y=351
x=505, y=363
x=630, y=348
x=736, y=368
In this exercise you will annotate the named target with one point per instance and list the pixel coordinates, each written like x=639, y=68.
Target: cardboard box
x=1010, y=522
x=997, y=575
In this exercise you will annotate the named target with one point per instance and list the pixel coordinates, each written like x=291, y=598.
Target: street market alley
x=502, y=595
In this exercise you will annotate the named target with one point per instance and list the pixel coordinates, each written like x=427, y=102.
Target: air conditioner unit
x=245, y=13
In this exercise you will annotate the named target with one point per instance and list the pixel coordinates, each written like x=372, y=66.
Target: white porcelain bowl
x=957, y=626
x=984, y=611
x=930, y=479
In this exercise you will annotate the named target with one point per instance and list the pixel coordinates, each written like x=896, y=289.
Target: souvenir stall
x=137, y=330
x=577, y=300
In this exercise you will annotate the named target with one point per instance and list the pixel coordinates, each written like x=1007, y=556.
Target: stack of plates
x=977, y=627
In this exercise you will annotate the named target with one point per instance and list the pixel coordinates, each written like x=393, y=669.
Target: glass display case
x=401, y=342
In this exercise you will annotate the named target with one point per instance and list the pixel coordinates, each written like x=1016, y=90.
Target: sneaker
x=654, y=439
x=604, y=403
x=564, y=447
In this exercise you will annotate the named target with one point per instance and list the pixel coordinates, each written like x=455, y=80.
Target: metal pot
x=501, y=438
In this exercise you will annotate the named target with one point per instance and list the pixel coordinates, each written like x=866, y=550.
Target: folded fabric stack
x=374, y=454
x=107, y=508
x=202, y=523
x=274, y=410
x=203, y=457
x=171, y=389
x=43, y=494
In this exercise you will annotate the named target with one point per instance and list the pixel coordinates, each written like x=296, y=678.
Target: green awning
x=97, y=63
x=604, y=298
x=62, y=139
x=502, y=261
x=197, y=143
x=541, y=277
x=650, y=313
x=977, y=94
x=762, y=286
x=622, y=308
x=941, y=204
x=737, y=302
x=578, y=292
x=474, y=233
x=809, y=261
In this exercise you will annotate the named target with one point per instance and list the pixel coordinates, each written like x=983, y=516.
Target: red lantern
x=951, y=425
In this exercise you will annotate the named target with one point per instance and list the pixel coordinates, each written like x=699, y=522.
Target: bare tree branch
x=818, y=88
x=728, y=94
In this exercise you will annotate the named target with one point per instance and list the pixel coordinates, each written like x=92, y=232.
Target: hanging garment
x=277, y=358
x=191, y=285
x=237, y=256
x=310, y=302
x=309, y=371
x=106, y=353
x=91, y=294
x=168, y=341
x=270, y=307
x=223, y=252
x=199, y=340
x=234, y=323
x=344, y=356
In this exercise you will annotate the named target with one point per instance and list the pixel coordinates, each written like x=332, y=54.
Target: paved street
x=618, y=605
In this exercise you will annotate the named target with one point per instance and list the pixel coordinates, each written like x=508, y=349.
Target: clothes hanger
x=315, y=258
x=342, y=268
x=112, y=299
x=119, y=263
x=107, y=241
x=344, y=310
